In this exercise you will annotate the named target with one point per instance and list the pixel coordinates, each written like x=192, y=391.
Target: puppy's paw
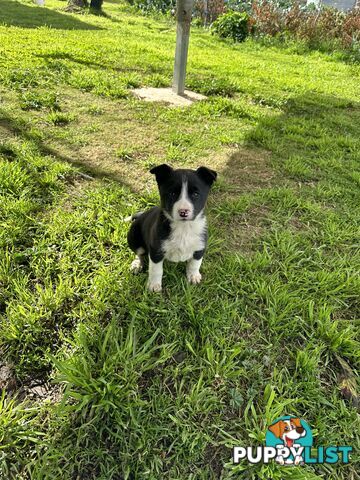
x=136, y=266
x=154, y=287
x=194, y=278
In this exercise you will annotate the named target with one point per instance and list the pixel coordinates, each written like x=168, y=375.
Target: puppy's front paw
x=136, y=266
x=154, y=287
x=194, y=277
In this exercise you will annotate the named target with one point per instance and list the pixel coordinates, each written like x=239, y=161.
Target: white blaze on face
x=183, y=209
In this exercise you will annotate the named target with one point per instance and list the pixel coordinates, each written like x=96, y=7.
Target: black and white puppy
x=177, y=230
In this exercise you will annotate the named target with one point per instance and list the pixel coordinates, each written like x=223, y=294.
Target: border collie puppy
x=176, y=230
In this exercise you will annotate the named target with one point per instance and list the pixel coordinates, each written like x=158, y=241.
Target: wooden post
x=183, y=17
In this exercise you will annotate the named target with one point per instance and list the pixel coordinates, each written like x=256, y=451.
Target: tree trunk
x=96, y=4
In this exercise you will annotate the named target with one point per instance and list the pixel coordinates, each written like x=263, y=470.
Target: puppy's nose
x=184, y=212
x=299, y=429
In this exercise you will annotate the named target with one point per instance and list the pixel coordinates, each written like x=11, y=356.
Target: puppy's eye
x=287, y=429
x=195, y=194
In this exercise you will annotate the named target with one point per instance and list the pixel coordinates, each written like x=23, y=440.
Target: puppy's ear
x=278, y=428
x=207, y=175
x=161, y=172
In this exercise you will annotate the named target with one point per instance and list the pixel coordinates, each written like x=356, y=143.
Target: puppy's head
x=183, y=193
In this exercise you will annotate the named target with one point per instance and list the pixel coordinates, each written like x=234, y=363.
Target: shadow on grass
x=315, y=136
x=17, y=14
x=21, y=129
x=149, y=69
x=307, y=153
x=89, y=63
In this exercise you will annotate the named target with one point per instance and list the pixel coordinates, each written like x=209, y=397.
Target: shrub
x=351, y=30
x=233, y=25
x=324, y=29
x=267, y=18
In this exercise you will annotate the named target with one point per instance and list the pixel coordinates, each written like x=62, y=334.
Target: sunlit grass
x=162, y=387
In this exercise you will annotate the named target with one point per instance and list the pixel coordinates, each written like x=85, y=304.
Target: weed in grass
x=109, y=85
x=176, y=154
x=125, y=153
x=219, y=107
x=36, y=101
x=213, y=86
x=58, y=69
x=95, y=110
x=19, y=432
x=159, y=81
x=23, y=78
x=295, y=168
x=60, y=119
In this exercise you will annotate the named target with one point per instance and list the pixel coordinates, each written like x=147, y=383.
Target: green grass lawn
x=149, y=386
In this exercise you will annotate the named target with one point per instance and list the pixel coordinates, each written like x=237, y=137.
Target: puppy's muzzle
x=184, y=213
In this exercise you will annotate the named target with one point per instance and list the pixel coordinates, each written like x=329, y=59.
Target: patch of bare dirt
x=244, y=230
x=214, y=457
x=40, y=392
x=114, y=129
x=7, y=378
x=242, y=171
x=33, y=390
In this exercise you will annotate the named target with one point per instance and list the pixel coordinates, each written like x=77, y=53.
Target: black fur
x=170, y=182
x=148, y=231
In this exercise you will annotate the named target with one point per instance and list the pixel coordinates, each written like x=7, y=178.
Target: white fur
x=186, y=237
x=193, y=270
x=155, y=275
x=183, y=203
x=137, y=264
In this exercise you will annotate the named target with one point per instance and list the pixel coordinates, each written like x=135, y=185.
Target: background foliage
x=234, y=25
x=281, y=21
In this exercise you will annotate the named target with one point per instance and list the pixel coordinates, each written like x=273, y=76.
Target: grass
x=146, y=386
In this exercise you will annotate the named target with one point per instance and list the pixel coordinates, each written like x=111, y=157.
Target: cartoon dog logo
x=289, y=435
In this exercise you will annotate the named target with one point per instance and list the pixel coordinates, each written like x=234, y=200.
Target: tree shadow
x=315, y=134
x=21, y=130
x=90, y=63
x=13, y=13
x=311, y=148
x=86, y=62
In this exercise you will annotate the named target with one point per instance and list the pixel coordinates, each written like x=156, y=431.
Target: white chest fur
x=185, y=239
